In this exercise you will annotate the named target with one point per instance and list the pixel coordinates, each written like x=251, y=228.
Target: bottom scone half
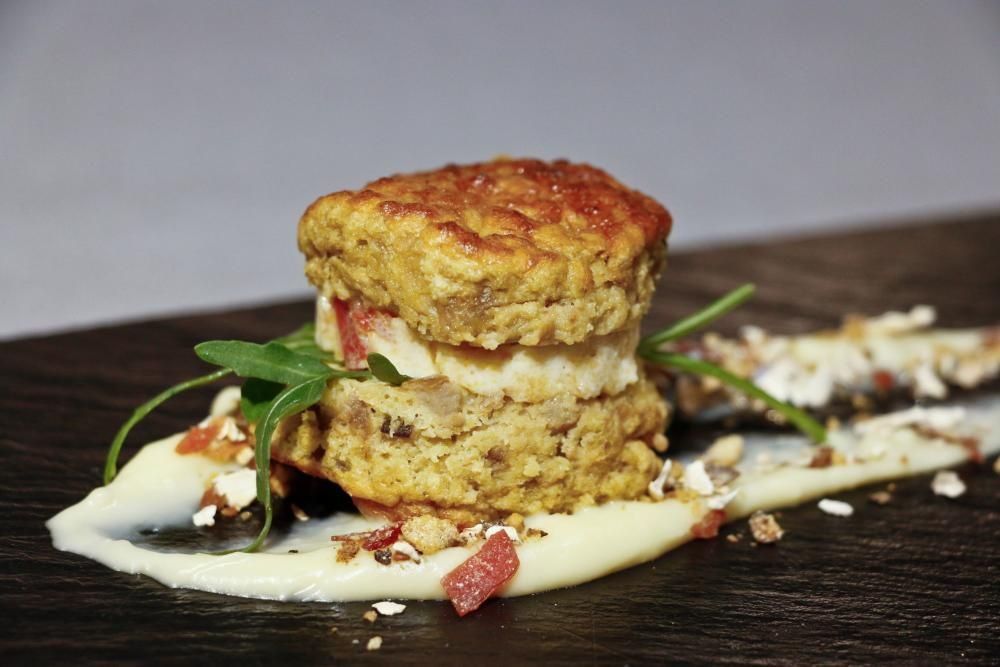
x=430, y=447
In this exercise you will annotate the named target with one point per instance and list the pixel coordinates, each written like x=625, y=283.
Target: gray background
x=156, y=155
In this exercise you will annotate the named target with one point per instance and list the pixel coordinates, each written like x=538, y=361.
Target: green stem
x=111, y=464
x=800, y=419
x=692, y=323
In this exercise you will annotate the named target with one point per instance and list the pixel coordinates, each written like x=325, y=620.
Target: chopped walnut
x=765, y=528
x=430, y=534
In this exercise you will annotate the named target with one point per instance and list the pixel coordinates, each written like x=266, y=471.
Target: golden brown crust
x=507, y=251
x=430, y=447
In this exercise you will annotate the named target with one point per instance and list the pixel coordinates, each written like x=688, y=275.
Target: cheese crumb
x=696, y=479
x=720, y=501
x=836, y=507
x=375, y=643
x=471, y=534
x=389, y=608
x=511, y=533
x=948, y=484
x=230, y=431
x=205, y=516
x=239, y=488
x=655, y=487
x=245, y=456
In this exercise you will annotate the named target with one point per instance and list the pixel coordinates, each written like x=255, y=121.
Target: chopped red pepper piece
x=481, y=575
x=884, y=381
x=354, y=349
x=198, y=438
x=708, y=527
x=382, y=538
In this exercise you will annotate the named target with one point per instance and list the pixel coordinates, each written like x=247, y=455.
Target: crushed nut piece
x=383, y=556
x=725, y=451
x=370, y=615
x=948, y=484
x=374, y=644
x=765, y=528
x=880, y=497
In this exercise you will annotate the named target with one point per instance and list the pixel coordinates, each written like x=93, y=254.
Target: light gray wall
x=155, y=156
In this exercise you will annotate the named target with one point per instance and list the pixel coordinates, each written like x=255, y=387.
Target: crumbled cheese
x=245, y=456
x=205, y=516
x=230, y=431
x=389, y=608
x=927, y=383
x=720, y=501
x=655, y=487
x=472, y=533
x=836, y=507
x=406, y=549
x=948, y=484
x=239, y=488
x=374, y=644
x=894, y=322
x=511, y=533
x=725, y=451
x=696, y=479
x=938, y=418
x=765, y=528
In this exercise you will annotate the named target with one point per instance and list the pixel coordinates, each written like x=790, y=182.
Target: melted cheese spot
x=161, y=488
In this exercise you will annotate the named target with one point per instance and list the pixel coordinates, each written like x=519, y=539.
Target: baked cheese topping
x=601, y=365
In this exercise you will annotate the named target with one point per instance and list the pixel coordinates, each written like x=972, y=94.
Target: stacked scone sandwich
x=511, y=291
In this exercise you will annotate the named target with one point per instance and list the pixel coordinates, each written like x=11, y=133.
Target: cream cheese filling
x=600, y=365
x=161, y=488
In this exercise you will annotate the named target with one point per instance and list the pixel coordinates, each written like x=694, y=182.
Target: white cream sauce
x=161, y=488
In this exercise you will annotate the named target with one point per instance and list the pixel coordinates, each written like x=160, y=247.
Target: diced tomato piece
x=354, y=349
x=198, y=438
x=883, y=381
x=382, y=538
x=480, y=576
x=708, y=527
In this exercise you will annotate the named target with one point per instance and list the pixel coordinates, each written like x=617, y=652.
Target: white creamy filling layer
x=599, y=365
x=161, y=488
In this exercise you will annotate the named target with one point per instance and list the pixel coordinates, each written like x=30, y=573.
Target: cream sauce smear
x=161, y=488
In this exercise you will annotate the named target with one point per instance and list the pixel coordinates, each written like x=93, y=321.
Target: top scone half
x=512, y=292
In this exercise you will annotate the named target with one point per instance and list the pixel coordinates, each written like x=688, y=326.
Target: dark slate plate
x=916, y=581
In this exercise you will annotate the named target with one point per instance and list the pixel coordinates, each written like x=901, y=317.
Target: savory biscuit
x=429, y=446
x=509, y=251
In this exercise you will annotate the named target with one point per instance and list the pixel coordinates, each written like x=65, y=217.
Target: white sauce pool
x=161, y=488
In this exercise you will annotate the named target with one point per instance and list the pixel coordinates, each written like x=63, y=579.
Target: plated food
x=476, y=383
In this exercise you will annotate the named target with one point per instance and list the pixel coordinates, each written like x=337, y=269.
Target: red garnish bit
x=382, y=538
x=198, y=438
x=354, y=349
x=708, y=527
x=884, y=381
x=470, y=584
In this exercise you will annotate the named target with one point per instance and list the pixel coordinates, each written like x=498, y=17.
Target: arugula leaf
x=292, y=400
x=111, y=463
x=692, y=323
x=797, y=417
x=271, y=361
x=384, y=370
x=255, y=397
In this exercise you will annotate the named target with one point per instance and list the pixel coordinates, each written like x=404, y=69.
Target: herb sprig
x=649, y=349
x=283, y=377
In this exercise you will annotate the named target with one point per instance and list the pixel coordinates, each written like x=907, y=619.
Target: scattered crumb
x=765, y=528
x=891, y=487
x=880, y=497
x=725, y=451
x=370, y=615
x=355, y=641
x=298, y=513
x=389, y=608
x=374, y=644
x=836, y=507
x=947, y=483
x=334, y=629
x=205, y=516
x=430, y=534
x=404, y=549
x=246, y=515
x=733, y=538
x=511, y=533
x=996, y=466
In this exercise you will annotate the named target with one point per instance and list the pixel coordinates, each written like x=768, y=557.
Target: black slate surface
x=913, y=582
